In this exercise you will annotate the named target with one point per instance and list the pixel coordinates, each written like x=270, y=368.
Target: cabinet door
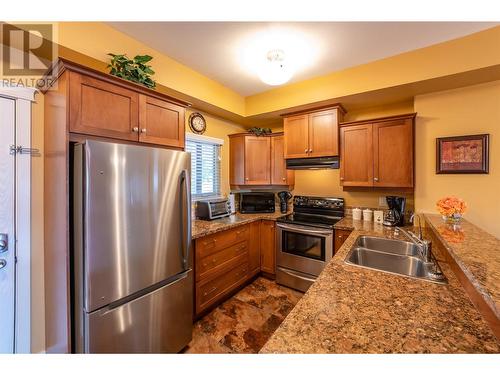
x=296, y=131
x=279, y=174
x=393, y=153
x=237, y=160
x=356, y=155
x=268, y=247
x=161, y=122
x=257, y=160
x=101, y=108
x=323, y=134
x=254, y=248
x=340, y=237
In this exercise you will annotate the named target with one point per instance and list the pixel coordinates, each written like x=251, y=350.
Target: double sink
x=394, y=256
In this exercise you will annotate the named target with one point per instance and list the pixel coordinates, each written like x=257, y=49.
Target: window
x=205, y=165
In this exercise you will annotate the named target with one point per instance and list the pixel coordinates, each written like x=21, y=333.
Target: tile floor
x=245, y=322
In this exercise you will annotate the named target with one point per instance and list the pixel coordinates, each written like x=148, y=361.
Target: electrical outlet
x=382, y=202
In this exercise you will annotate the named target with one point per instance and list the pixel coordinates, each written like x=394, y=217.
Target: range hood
x=330, y=162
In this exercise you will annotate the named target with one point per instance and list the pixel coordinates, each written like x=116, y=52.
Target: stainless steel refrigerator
x=132, y=264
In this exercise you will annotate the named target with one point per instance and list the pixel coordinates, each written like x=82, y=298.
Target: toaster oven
x=211, y=209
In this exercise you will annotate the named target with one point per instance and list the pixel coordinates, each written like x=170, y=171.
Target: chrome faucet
x=425, y=246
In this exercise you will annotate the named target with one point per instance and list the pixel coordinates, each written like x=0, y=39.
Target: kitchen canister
x=378, y=216
x=367, y=214
x=356, y=213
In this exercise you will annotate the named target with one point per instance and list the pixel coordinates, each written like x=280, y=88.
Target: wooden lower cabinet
x=224, y=261
x=254, y=248
x=268, y=246
x=340, y=237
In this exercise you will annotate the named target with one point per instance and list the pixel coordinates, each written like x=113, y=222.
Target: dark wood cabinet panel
x=268, y=247
x=393, y=153
x=356, y=155
x=161, y=122
x=340, y=237
x=254, y=248
x=102, y=109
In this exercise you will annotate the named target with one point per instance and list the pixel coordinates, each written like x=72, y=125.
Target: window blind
x=205, y=168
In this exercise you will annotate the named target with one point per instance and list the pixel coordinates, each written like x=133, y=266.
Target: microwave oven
x=257, y=203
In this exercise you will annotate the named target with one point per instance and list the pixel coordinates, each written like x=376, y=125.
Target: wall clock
x=197, y=123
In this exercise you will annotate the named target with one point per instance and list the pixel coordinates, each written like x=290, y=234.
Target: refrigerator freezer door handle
x=186, y=208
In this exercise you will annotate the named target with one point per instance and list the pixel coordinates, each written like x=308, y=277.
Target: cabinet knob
x=143, y=130
x=306, y=150
x=284, y=179
x=135, y=129
x=375, y=179
x=310, y=150
x=246, y=179
x=341, y=178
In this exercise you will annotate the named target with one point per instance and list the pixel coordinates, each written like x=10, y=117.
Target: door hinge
x=24, y=150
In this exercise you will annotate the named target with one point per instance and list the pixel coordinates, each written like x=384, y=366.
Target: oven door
x=304, y=249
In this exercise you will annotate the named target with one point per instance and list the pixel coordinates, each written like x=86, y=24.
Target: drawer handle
x=210, y=291
x=244, y=270
x=213, y=262
x=211, y=242
x=242, y=247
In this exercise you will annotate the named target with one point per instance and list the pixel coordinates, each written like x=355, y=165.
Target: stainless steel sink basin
x=392, y=256
x=387, y=245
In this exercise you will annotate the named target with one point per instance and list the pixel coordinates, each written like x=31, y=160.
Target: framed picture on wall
x=463, y=154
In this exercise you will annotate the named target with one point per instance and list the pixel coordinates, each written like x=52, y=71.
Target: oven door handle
x=305, y=230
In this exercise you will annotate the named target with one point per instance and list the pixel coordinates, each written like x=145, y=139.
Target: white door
x=7, y=243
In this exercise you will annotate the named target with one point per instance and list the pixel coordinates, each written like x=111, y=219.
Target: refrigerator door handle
x=186, y=208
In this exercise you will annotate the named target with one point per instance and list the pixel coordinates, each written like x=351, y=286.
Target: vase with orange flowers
x=452, y=209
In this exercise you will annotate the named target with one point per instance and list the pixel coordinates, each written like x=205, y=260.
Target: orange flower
x=448, y=206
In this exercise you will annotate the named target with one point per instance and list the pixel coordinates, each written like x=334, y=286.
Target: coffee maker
x=395, y=216
x=284, y=197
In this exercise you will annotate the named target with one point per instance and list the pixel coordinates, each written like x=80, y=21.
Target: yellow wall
x=219, y=128
x=96, y=39
x=470, y=110
x=471, y=52
x=327, y=182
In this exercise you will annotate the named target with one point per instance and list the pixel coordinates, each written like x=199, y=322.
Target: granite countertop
x=203, y=228
x=476, y=252
x=354, y=310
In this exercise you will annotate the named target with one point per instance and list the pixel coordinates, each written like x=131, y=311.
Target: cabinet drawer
x=214, y=262
x=211, y=244
x=209, y=293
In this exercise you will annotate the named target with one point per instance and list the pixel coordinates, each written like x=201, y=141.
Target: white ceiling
x=216, y=49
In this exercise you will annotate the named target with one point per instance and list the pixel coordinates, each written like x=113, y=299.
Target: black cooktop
x=315, y=211
x=310, y=220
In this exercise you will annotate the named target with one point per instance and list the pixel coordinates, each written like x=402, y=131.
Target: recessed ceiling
x=223, y=50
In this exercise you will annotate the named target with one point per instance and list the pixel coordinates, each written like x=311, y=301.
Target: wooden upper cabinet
x=377, y=153
x=356, y=155
x=279, y=174
x=296, y=130
x=393, y=153
x=106, y=106
x=313, y=134
x=160, y=122
x=323, y=133
x=257, y=160
x=102, y=109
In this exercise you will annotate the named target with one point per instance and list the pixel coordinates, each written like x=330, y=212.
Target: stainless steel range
x=305, y=240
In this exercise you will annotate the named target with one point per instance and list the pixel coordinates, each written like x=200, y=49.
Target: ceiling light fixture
x=275, y=71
